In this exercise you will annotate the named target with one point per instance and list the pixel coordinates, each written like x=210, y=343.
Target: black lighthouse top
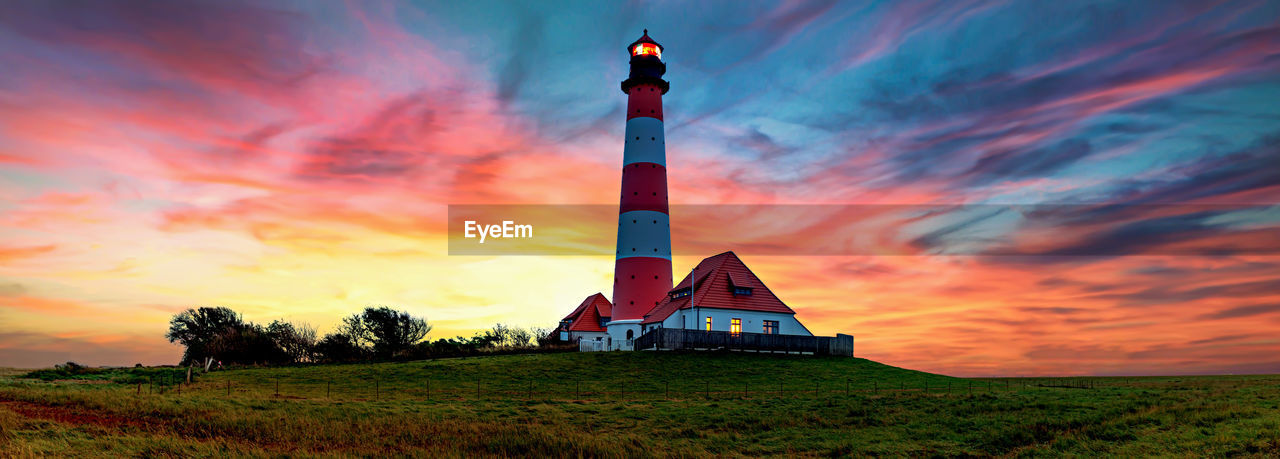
x=646, y=64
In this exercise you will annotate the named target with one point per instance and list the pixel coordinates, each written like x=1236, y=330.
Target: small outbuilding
x=586, y=322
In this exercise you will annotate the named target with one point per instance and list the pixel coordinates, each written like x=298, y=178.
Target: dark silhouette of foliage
x=203, y=330
x=376, y=333
x=387, y=331
x=339, y=347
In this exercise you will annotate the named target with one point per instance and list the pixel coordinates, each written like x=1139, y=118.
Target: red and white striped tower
x=642, y=269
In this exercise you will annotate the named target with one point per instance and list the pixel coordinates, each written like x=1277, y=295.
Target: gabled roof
x=716, y=275
x=586, y=317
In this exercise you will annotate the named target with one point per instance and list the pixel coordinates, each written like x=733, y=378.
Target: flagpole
x=693, y=282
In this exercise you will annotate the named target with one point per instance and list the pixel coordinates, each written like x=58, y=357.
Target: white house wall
x=752, y=321
x=588, y=336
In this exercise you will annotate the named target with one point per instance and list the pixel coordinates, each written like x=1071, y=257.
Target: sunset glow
x=297, y=161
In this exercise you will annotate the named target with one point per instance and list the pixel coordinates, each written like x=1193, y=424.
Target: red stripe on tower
x=642, y=269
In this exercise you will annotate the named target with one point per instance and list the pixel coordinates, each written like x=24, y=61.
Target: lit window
x=647, y=49
x=770, y=327
x=744, y=291
x=708, y=323
x=735, y=326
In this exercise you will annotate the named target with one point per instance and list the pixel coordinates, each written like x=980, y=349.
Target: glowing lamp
x=647, y=49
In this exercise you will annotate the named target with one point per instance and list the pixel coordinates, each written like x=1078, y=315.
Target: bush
x=69, y=370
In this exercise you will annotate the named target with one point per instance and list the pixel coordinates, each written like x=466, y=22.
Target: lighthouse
x=642, y=267
x=719, y=301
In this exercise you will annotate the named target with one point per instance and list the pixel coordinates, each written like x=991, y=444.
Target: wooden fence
x=680, y=339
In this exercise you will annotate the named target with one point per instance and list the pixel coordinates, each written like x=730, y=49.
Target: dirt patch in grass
x=69, y=415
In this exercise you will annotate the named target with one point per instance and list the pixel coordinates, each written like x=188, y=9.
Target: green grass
x=636, y=405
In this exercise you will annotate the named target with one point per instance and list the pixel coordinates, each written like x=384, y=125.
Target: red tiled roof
x=715, y=275
x=586, y=317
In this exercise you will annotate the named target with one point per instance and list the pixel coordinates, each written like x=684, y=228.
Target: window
x=744, y=291
x=680, y=293
x=708, y=323
x=646, y=49
x=770, y=327
x=735, y=326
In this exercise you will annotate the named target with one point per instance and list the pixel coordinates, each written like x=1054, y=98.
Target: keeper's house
x=720, y=305
x=726, y=296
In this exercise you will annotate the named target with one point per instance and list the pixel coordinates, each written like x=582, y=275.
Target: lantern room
x=645, y=46
x=646, y=64
x=647, y=49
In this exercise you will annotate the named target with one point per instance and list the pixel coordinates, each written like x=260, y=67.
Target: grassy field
x=632, y=405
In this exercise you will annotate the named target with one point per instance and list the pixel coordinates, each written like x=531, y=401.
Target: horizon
x=298, y=161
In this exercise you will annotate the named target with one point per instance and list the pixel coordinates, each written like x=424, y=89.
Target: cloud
x=293, y=159
x=1243, y=311
x=11, y=254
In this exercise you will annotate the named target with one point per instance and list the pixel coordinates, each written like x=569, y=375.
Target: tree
x=353, y=328
x=521, y=337
x=295, y=341
x=500, y=335
x=387, y=331
x=199, y=330
x=337, y=347
x=545, y=335
x=247, y=344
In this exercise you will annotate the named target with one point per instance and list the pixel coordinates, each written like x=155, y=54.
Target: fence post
x=477, y=389
x=846, y=387
x=139, y=389
x=666, y=390
x=428, y=390
x=328, y=389
x=970, y=387
x=277, y=386
x=228, y=387
x=708, y=389
x=377, y=389
x=875, y=386
x=926, y=386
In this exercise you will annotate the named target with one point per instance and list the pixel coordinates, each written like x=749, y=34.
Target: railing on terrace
x=680, y=339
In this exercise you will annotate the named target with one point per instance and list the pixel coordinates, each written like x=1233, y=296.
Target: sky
x=297, y=159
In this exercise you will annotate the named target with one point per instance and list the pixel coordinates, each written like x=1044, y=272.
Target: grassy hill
x=635, y=405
